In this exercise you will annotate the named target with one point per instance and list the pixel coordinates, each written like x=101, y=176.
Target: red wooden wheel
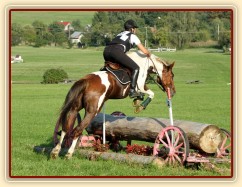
x=172, y=145
x=224, y=149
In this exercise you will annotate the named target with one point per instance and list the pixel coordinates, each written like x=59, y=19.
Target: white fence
x=160, y=49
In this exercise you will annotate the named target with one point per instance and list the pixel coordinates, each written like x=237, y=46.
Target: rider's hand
x=148, y=54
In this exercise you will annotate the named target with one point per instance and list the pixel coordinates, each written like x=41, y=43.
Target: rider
x=116, y=49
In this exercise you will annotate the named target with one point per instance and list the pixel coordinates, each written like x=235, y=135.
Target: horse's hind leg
x=65, y=129
x=78, y=131
x=56, y=150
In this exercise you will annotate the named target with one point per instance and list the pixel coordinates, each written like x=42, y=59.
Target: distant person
x=116, y=50
x=18, y=57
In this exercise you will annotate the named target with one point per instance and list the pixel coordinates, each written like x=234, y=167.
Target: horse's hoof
x=136, y=102
x=138, y=109
x=68, y=156
x=53, y=155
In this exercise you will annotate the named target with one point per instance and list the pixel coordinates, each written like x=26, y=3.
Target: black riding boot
x=134, y=77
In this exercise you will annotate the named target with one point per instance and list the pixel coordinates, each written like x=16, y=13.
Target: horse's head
x=165, y=75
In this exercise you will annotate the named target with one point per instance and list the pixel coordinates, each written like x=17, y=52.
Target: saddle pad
x=121, y=75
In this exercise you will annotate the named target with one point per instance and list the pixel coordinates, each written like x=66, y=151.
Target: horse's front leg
x=137, y=101
x=145, y=103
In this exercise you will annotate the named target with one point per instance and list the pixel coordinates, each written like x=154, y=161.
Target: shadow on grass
x=46, y=148
x=214, y=51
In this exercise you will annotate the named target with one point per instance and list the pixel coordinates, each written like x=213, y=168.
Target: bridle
x=156, y=72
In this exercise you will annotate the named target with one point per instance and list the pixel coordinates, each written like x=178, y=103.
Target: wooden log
x=123, y=158
x=203, y=137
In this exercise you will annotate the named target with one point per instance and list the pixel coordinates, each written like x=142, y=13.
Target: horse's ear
x=172, y=64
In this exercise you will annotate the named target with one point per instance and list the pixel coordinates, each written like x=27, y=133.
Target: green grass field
x=35, y=107
x=28, y=17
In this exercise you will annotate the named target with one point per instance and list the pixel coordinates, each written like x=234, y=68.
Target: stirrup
x=134, y=94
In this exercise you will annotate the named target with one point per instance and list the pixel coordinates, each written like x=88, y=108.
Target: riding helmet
x=129, y=24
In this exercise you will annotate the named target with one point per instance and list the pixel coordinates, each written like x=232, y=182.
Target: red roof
x=64, y=23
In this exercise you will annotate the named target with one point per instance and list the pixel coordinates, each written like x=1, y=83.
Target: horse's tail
x=73, y=99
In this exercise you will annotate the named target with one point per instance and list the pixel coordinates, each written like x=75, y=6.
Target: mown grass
x=35, y=107
x=28, y=17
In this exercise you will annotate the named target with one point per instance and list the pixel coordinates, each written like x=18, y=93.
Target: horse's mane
x=142, y=55
x=137, y=53
x=164, y=61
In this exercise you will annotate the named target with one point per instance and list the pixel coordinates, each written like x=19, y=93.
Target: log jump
x=172, y=143
x=203, y=137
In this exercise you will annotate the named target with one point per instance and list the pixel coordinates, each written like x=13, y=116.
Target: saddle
x=122, y=74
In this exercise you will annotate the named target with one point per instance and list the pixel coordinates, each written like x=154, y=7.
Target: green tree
x=216, y=25
x=29, y=35
x=161, y=37
x=202, y=35
x=106, y=25
x=41, y=30
x=100, y=31
x=38, y=25
x=59, y=37
x=154, y=18
x=16, y=34
x=181, y=26
x=77, y=25
x=224, y=40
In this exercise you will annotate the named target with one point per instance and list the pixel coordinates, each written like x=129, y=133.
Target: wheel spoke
x=173, y=159
x=179, y=152
x=168, y=139
x=177, y=158
x=164, y=143
x=177, y=140
x=226, y=147
x=170, y=161
x=179, y=146
x=224, y=142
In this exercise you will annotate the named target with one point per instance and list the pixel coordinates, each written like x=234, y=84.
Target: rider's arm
x=134, y=39
x=143, y=49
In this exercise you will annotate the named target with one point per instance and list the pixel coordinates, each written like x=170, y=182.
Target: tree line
x=158, y=28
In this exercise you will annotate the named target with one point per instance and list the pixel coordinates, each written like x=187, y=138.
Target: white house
x=67, y=25
x=76, y=38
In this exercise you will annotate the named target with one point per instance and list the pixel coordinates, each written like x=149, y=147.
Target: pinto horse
x=91, y=92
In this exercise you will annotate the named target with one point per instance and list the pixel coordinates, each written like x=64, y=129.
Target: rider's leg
x=116, y=54
x=134, y=78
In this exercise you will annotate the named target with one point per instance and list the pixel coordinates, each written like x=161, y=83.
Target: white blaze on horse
x=91, y=92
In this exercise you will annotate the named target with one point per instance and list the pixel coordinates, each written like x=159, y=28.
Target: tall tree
x=181, y=26
x=16, y=34
x=76, y=24
x=58, y=34
x=29, y=34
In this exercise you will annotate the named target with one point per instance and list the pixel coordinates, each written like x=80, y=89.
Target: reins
x=156, y=72
x=160, y=86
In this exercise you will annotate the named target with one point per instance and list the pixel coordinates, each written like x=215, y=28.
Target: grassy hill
x=28, y=17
